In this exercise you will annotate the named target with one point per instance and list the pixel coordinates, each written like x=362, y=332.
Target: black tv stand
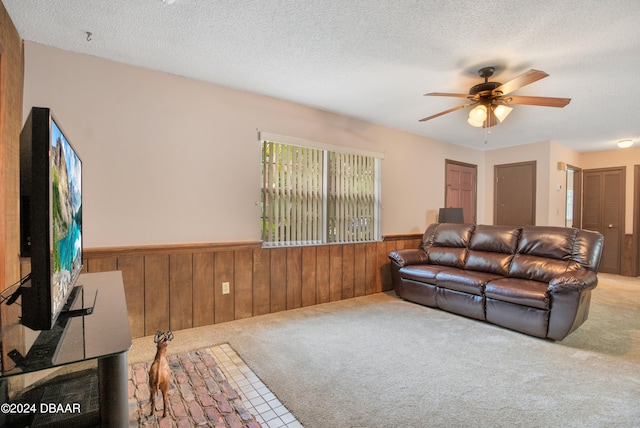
x=80, y=302
x=92, y=329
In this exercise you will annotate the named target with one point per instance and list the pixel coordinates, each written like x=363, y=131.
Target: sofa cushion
x=519, y=291
x=449, y=243
x=543, y=253
x=547, y=241
x=491, y=248
x=587, y=249
x=538, y=268
x=466, y=281
x=423, y=273
x=484, y=261
x=496, y=239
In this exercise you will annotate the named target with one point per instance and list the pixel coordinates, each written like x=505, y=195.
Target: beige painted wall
x=172, y=160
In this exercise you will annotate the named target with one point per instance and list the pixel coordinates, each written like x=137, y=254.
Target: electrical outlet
x=225, y=288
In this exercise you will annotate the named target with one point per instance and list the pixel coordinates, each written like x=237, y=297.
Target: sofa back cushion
x=491, y=248
x=587, y=249
x=543, y=252
x=448, y=244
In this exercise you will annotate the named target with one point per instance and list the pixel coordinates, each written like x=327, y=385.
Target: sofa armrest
x=574, y=281
x=410, y=256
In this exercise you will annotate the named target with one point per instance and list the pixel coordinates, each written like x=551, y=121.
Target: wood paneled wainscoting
x=180, y=286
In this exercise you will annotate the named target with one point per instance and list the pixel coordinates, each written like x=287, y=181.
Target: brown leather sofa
x=533, y=279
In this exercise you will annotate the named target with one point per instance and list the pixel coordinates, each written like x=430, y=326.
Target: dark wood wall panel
x=278, y=279
x=294, y=277
x=203, y=297
x=243, y=273
x=335, y=272
x=102, y=264
x=224, y=306
x=180, y=291
x=359, y=270
x=309, y=274
x=156, y=293
x=322, y=273
x=180, y=286
x=348, y=272
x=261, y=282
x=133, y=276
x=371, y=257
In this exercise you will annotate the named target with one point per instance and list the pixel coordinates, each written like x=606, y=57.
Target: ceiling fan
x=492, y=99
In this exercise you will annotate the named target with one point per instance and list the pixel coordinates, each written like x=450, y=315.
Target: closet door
x=603, y=211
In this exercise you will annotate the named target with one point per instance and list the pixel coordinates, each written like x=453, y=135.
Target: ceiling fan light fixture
x=477, y=116
x=623, y=144
x=502, y=112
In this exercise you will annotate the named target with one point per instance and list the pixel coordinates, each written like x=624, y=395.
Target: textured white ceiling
x=374, y=59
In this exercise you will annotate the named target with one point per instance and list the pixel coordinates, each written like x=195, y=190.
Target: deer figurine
x=160, y=372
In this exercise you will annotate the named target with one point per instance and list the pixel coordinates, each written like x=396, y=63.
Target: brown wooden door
x=461, y=188
x=515, y=194
x=603, y=211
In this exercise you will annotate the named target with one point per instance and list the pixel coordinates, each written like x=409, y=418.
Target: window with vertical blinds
x=315, y=195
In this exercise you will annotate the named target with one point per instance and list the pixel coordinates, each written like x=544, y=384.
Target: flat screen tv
x=51, y=217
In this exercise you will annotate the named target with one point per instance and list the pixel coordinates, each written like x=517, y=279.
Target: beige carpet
x=378, y=361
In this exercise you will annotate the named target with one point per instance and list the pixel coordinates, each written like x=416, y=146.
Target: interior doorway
x=515, y=194
x=573, y=212
x=461, y=190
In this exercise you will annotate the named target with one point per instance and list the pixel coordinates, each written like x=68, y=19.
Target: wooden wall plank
x=382, y=258
x=278, y=279
x=180, y=291
x=203, y=297
x=308, y=270
x=261, y=282
x=224, y=303
x=156, y=294
x=294, y=278
x=323, y=269
x=348, y=271
x=335, y=273
x=102, y=264
x=132, y=269
x=359, y=270
x=371, y=266
x=243, y=290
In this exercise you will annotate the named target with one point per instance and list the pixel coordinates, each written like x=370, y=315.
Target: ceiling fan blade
x=520, y=81
x=535, y=101
x=447, y=111
x=447, y=94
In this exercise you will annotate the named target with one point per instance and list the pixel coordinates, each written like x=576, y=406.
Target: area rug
x=200, y=395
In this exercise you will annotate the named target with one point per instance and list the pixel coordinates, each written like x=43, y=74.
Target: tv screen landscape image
x=51, y=217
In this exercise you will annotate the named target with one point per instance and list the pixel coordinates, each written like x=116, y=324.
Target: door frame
x=577, y=195
x=635, y=251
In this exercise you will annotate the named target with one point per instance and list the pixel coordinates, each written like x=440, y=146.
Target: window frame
x=326, y=149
